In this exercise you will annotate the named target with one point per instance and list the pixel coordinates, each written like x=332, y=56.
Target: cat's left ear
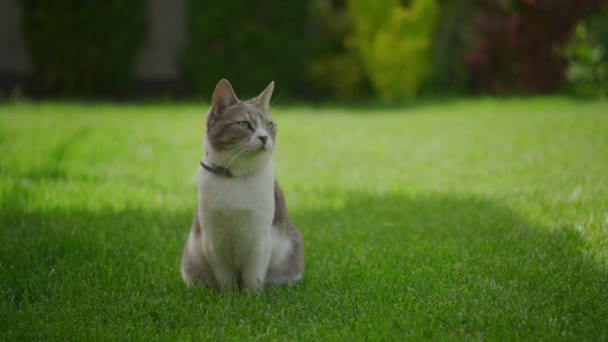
x=263, y=100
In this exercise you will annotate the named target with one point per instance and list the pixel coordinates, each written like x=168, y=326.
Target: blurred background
x=321, y=50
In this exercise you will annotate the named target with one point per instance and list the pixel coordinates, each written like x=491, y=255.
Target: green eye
x=244, y=124
x=270, y=126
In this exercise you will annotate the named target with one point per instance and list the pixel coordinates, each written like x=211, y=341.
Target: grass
x=472, y=219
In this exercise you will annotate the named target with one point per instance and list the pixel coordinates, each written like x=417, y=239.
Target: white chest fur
x=236, y=217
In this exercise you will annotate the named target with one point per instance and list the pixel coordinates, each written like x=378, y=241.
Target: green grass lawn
x=465, y=219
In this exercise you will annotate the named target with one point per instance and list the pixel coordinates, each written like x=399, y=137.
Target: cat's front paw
x=253, y=283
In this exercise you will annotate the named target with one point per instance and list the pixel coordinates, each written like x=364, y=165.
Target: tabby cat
x=241, y=234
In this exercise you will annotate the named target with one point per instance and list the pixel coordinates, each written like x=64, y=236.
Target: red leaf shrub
x=518, y=42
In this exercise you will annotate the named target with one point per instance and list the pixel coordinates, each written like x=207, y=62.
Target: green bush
x=340, y=76
x=453, y=34
x=335, y=68
x=587, y=55
x=248, y=42
x=394, y=42
x=83, y=48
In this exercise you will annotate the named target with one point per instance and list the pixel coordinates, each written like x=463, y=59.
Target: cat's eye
x=244, y=124
x=270, y=126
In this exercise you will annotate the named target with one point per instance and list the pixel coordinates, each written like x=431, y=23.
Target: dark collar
x=218, y=170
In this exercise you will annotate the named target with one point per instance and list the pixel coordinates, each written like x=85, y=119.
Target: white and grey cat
x=241, y=234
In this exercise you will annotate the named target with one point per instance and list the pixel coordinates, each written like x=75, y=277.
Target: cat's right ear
x=223, y=96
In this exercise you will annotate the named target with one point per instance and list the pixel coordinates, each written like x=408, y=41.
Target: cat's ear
x=223, y=96
x=263, y=100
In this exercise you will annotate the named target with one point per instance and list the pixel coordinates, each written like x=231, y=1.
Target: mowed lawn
x=470, y=219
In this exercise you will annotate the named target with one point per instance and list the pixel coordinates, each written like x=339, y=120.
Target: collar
x=218, y=170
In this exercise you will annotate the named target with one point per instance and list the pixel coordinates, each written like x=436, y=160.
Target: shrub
x=335, y=69
x=453, y=34
x=518, y=40
x=587, y=54
x=393, y=42
x=83, y=48
x=248, y=42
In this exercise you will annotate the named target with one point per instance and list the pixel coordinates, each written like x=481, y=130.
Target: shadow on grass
x=431, y=226
x=463, y=262
x=449, y=262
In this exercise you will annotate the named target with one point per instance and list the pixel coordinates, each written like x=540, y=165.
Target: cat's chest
x=237, y=199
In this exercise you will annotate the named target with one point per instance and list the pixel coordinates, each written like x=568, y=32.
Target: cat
x=241, y=235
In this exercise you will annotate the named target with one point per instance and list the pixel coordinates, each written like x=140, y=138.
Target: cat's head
x=239, y=131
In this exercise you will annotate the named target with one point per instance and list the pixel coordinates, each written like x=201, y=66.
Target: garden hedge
x=83, y=48
x=248, y=42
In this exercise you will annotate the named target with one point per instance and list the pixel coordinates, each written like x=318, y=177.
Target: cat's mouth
x=258, y=150
x=263, y=148
x=266, y=148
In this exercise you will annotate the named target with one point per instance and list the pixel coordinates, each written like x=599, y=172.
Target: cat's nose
x=263, y=138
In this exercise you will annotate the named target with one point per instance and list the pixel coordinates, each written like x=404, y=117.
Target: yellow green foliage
x=394, y=42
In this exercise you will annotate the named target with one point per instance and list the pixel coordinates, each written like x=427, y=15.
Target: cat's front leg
x=254, y=272
x=225, y=276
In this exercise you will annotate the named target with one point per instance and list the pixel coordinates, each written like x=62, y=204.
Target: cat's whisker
x=235, y=157
x=228, y=153
x=246, y=147
x=230, y=156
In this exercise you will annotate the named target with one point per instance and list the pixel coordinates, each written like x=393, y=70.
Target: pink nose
x=263, y=138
